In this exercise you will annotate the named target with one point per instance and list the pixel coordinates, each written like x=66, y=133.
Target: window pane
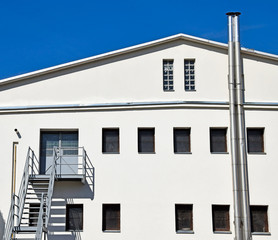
x=218, y=140
x=181, y=140
x=259, y=219
x=189, y=85
x=184, y=217
x=168, y=75
x=146, y=140
x=110, y=140
x=74, y=217
x=111, y=217
x=255, y=139
x=220, y=216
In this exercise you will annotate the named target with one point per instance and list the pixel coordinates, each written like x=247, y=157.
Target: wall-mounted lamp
x=17, y=133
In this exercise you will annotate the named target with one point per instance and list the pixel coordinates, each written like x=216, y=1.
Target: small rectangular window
x=146, y=140
x=111, y=219
x=218, y=141
x=255, y=140
x=259, y=219
x=189, y=75
x=168, y=75
x=220, y=218
x=110, y=140
x=184, y=217
x=74, y=217
x=181, y=140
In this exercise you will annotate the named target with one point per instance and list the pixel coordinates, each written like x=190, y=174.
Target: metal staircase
x=30, y=209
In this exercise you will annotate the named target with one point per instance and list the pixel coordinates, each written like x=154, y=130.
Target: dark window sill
x=185, y=232
x=190, y=90
x=110, y=152
x=168, y=90
x=261, y=233
x=111, y=231
x=257, y=153
x=183, y=152
x=222, y=232
x=219, y=152
x=146, y=152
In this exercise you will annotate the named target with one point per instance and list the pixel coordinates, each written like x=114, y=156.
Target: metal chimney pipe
x=237, y=133
x=233, y=129
x=245, y=205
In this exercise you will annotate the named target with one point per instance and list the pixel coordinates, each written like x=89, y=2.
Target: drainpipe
x=237, y=133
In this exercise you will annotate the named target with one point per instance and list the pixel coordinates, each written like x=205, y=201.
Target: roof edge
x=132, y=49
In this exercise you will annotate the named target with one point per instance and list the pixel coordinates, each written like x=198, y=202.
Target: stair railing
x=40, y=220
x=56, y=156
x=16, y=209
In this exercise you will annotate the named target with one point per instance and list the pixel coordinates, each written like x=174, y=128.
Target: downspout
x=245, y=205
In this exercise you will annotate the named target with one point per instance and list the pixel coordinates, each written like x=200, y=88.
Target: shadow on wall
x=2, y=226
x=65, y=192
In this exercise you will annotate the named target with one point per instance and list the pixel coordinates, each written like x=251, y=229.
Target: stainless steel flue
x=237, y=133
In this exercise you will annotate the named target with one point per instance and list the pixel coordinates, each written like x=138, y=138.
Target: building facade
x=154, y=123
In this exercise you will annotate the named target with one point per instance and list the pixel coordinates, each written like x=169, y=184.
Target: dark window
x=110, y=140
x=184, y=218
x=146, y=140
x=255, y=140
x=218, y=141
x=74, y=217
x=111, y=220
x=181, y=140
x=220, y=218
x=259, y=222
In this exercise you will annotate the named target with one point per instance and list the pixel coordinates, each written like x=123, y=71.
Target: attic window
x=168, y=75
x=189, y=75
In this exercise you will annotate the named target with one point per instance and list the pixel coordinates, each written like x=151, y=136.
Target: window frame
x=166, y=82
x=226, y=208
x=185, y=75
x=140, y=151
x=175, y=130
x=67, y=227
x=210, y=140
x=104, y=219
x=266, y=223
x=186, y=207
x=103, y=140
x=262, y=140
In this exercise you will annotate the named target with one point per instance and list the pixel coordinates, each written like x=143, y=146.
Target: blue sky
x=39, y=34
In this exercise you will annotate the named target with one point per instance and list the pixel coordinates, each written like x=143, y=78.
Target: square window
x=146, y=140
x=168, y=66
x=181, y=140
x=74, y=217
x=111, y=219
x=110, y=140
x=220, y=218
x=259, y=219
x=218, y=140
x=255, y=140
x=184, y=217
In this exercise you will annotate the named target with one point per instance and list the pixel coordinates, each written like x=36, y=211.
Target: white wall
x=146, y=185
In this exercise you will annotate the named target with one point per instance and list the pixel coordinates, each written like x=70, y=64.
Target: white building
x=157, y=136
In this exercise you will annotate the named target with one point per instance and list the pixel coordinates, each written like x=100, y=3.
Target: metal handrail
x=17, y=212
x=40, y=220
x=31, y=169
x=51, y=184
